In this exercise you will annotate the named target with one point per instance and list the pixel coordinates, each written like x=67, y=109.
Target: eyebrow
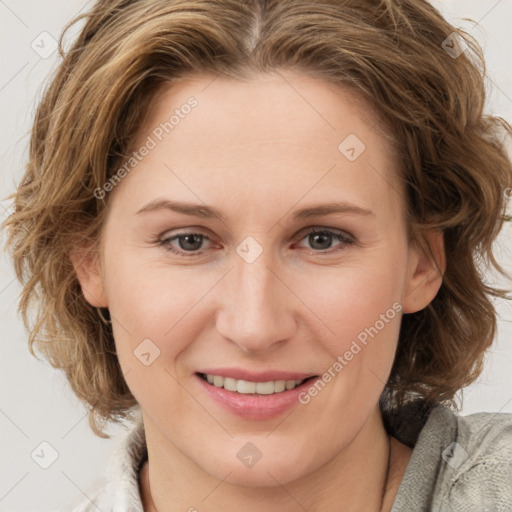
x=209, y=212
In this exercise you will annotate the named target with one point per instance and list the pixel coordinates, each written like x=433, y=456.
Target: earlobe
x=427, y=264
x=88, y=271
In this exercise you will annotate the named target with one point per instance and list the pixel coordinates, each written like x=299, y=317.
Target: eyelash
x=340, y=235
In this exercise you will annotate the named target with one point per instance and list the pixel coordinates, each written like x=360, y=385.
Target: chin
x=272, y=474
x=243, y=464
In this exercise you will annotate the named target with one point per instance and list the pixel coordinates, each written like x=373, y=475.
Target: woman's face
x=239, y=290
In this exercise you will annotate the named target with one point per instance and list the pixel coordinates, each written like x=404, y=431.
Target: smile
x=253, y=396
x=248, y=387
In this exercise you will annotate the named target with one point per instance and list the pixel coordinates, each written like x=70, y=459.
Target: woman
x=255, y=228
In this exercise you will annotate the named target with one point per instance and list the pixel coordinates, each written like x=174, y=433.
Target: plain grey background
x=36, y=404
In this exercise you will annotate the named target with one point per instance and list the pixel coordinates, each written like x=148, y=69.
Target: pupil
x=321, y=235
x=187, y=238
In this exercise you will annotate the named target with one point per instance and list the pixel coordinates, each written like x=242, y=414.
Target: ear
x=427, y=264
x=86, y=263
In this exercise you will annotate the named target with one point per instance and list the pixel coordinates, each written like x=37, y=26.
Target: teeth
x=279, y=386
x=246, y=387
x=265, y=388
x=229, y=384
x=242, y=386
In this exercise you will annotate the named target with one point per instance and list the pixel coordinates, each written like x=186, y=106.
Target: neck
x=365, y=476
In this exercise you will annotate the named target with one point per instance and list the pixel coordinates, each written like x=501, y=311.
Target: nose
x=257, y=308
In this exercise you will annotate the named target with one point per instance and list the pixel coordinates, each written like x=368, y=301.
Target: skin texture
x=259, y=150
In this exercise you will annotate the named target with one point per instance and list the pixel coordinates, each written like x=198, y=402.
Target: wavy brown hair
x=388, y=53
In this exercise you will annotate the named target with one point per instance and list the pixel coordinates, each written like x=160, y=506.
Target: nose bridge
x=255, y=314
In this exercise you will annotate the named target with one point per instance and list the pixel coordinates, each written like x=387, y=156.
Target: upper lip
x=252, y=376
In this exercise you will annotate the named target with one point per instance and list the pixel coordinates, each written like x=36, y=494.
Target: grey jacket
x=458, y=464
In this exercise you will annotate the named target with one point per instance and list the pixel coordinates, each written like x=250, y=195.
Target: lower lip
x=255, y=407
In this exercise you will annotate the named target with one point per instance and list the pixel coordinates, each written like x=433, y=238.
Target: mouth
x=254, y=397
x=246, y=387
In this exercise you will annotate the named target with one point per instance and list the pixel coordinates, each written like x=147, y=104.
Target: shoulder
x=484, y=433
x=459, y=463
x=476, y=468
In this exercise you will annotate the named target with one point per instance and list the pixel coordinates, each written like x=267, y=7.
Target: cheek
x=153, y=311
x=156, y=303
x=358, y=303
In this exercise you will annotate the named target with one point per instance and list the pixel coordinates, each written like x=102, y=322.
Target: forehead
x=273, y=134
x=298, y=102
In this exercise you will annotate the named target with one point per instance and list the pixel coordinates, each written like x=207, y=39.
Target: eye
x=188, y=243
x=321, y=238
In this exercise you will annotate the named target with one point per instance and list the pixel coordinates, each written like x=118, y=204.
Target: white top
x=458, y=463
